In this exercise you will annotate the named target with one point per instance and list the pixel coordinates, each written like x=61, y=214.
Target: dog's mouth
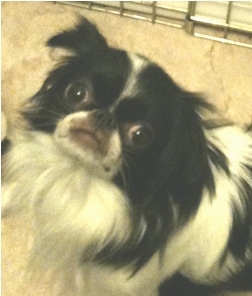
x=87, y=138
x=87, y=135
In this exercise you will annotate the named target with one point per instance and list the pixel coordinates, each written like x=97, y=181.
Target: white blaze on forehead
x=138, y=63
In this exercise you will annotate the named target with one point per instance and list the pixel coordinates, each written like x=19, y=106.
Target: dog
x=132, y=188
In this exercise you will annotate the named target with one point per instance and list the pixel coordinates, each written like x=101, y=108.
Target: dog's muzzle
x=93, y=136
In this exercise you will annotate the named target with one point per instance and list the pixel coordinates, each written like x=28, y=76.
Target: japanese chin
x=133, y=192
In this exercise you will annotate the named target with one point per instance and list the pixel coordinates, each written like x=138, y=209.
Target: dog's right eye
x=77, y=94
x=140, y=135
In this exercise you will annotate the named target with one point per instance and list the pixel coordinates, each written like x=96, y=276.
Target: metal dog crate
x=224, y=21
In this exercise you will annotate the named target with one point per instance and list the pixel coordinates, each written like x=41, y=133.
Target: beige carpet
x=222, y=72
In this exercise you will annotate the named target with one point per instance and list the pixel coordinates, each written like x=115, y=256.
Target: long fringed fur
x=74, y=219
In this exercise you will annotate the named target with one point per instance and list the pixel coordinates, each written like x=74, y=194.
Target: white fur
x=214, y=219
x=76, y=211
x=131, y=88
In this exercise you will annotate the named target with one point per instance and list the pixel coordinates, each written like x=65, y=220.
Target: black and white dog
x=133, y=192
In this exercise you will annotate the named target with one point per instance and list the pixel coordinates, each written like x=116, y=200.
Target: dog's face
x=111, y=107
x=120, y=114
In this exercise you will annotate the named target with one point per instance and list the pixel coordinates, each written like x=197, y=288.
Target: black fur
x=5, y=145
x=181, y=286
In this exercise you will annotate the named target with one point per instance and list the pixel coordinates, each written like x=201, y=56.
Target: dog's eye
x=140, y=135
x=77, y=94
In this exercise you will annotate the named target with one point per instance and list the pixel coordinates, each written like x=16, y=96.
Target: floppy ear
x=83, y=39
x=184, y=169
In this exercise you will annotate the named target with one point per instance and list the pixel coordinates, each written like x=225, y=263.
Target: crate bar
x=192, y=20
x=205, y=21
x=166, y=13
x=229, y=11
x=222, y=40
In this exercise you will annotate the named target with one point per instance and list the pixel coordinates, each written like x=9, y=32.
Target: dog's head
x=127, y=120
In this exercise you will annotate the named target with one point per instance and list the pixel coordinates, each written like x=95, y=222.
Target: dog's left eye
x=77, y=93
x=140, y=135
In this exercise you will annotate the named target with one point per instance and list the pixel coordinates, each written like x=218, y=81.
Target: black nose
x=105, y=119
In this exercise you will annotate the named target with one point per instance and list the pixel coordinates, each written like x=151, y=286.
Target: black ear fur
x=82, y=39
x=184, y=169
